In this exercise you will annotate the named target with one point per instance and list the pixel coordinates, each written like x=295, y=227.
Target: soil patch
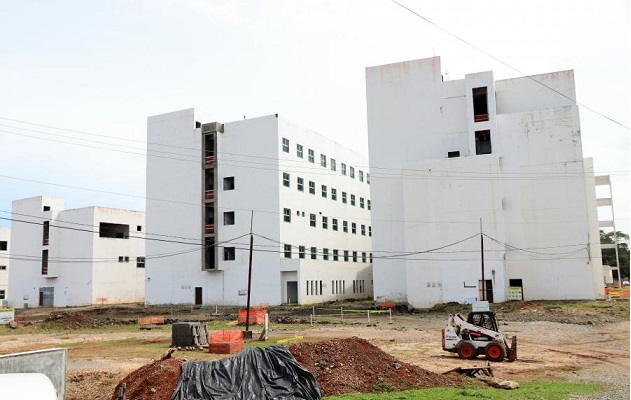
x=354, y=365
x=155, y=381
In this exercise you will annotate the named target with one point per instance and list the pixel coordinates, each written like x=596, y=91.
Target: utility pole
x=248, y=333
x=482, y=258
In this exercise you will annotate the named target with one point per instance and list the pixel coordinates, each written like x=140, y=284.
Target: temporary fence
x=257, y=314
x=226, y=341
x=343, y=315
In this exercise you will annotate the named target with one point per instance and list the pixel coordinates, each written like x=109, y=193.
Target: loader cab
x=484, y=319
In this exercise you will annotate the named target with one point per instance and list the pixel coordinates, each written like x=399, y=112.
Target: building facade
x=304, y=197
x=5, y=259
x=84, y=256
x=464, y=159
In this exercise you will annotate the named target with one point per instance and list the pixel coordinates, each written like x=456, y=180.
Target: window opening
x=299, y=150
x=117, y=231
x=140, y=262
x=228, y=183
x=453, y=154
x=483, y=142
x=228, y=218
x=228, y=253
x=285, y=179
x=286, y=145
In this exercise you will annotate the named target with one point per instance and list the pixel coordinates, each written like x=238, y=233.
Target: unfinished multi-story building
x=304, y=197
x=76, y=257
x=455, y=161
x=5, y=259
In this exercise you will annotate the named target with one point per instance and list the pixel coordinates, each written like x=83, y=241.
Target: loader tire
x=466, y=350
x=495, y=352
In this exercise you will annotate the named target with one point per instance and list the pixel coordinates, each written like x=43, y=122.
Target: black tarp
x=254, y=373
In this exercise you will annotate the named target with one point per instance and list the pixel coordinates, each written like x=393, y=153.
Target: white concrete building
x=308, y=196
x=5, y=259
x=447, y=154
x=83, y=256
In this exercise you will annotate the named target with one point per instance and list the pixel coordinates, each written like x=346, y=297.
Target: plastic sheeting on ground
x=254, y=373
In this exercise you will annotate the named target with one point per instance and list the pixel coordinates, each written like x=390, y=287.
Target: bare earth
x=582, y=346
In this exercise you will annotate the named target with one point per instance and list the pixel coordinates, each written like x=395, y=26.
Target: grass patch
x=527, y=391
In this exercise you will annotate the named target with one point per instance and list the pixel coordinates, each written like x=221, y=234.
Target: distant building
x=84, y=256
x=447, y=154
x=5, y=258
x=305, y=197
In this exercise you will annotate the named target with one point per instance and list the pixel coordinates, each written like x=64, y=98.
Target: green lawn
x=526, y=391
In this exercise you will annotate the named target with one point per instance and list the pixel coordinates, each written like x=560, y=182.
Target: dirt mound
x=354, y=365
x=155, y=381
x=339, y=366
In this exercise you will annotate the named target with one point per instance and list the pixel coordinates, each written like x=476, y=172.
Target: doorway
x=198, y=296
x=292, y=292
x=46, y=296
x=488, y=290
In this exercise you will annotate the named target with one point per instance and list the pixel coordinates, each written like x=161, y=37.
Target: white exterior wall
x=82, y=268
x=531, y=191
x=299, y=231
x=5, y=261
x=251, y=152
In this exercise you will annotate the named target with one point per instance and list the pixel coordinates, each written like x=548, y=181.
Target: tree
x=609, y=255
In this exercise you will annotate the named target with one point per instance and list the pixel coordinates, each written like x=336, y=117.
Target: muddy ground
x=579, y=341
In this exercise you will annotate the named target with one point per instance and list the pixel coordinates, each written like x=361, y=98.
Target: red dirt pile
x=155, y=381
x=339, y=366
x=354, y=365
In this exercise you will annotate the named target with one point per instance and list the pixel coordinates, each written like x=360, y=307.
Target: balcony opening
x=209, y=253
x=4, y=245
x=209, y=219
x=117, y=231
x=209, y=184
x=480, y=105
x=209, y=149
x=46, y=233
x=483, y=142
x=453, y=154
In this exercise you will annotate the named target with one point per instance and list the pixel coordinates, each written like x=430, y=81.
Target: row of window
x=324, y=190
x=323, y=161
x=358, y=286
x=314, y=288
x=346, y=256
x=140, y=261
x=325, y=223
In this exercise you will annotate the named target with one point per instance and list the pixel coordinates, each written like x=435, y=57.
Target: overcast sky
x=102, y=67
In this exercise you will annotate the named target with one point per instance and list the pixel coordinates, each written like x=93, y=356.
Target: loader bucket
x=512, y=352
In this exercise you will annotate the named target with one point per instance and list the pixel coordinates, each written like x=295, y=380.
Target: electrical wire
x=509, y=66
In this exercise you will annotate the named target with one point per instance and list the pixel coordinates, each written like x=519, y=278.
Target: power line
x=508, y=65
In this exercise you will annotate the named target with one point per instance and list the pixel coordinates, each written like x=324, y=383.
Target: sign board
x=515, y=293
x=243, y=292
x=6, y=315
x=480, y=306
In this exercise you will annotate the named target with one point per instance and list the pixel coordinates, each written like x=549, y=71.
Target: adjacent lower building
x=76, y=257
x=305, y=198
x=5, y=258
x=455, y=161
